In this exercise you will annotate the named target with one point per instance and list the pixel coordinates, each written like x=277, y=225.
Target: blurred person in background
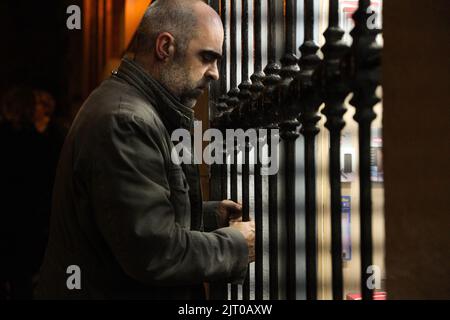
x=29, y=144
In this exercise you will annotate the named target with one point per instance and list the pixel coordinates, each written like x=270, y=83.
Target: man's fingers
x=238, y=219
x=234, y=210
x=236, y=207
x=247, y=229
x=233, y=205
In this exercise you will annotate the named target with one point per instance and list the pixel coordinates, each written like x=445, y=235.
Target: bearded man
x=126, y=221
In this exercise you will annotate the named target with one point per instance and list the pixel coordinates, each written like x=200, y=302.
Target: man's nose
x=213, y=72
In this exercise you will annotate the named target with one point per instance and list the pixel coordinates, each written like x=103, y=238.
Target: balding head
x=180, y=44
x=180, y=18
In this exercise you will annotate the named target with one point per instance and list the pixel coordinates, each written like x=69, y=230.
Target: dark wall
x=416, y=88
x=37, y=47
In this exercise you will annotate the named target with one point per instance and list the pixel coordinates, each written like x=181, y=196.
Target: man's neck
x=147, y=63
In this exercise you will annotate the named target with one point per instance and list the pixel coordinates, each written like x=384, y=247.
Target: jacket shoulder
x=115, y=103
x=127, y=100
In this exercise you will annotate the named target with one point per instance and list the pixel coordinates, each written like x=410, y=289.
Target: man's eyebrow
x=213, y=53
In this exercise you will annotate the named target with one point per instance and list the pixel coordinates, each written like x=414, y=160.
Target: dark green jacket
x=123, y=212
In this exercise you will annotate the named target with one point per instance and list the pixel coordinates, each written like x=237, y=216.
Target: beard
x=177, y=79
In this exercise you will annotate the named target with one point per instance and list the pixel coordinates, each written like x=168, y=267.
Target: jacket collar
x=172, y=112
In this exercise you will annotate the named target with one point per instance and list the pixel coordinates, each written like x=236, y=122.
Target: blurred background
x=47, y=71
x=43, y=54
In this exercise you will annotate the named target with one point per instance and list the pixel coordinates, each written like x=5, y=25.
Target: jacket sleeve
x=210, y=215
x=131, y=203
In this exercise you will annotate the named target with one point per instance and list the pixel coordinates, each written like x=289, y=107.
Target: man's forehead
x=209, y=39
x=209, y=34
x=210, y=25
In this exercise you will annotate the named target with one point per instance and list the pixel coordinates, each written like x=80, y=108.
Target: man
x=126, y=220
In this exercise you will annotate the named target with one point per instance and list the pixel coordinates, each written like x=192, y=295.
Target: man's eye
x=208, y=58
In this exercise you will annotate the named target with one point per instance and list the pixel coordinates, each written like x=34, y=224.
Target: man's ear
x=165, y=46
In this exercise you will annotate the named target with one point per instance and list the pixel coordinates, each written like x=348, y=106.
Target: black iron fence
x=284, y=97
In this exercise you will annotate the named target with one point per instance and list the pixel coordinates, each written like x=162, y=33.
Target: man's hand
x=248, y=231
x=230, y=214
x=228, y=211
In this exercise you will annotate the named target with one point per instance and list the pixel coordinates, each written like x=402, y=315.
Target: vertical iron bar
x=257, y=75
x=232, y=102
x=309, y=20
x=270, y=111
x=311, y=234
x=224, y=171
x=335, y=92
x=336, y=214
x=219, y=290
x=245, y=95
x=257, y=86
x=366, y=63
x=365, y=209
x=234, y=197
x=333, y=13
x=273, y=229
x=290, y=26
x=233, y=45
x=272, y=69
x=257, y=34
x=258, y=224
x=289, y=134
x=246, y=208
x=256, y=89
x=310, y=101
x=271, y=34
x=244, y=32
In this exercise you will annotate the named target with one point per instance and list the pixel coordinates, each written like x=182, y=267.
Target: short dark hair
x=174, y=16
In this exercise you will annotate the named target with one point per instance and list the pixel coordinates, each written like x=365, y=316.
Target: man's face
x=188, y=75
